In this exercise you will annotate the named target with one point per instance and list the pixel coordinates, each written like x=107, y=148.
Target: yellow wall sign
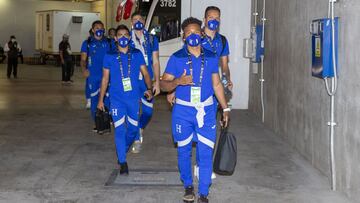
x=317, y=47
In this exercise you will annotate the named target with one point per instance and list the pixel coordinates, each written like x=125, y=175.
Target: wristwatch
x=227, y=110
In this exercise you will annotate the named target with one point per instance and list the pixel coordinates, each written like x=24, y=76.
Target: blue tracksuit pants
x=147, y=108
x=87, y=90
x=185, y=130
x=125, y=115
x=94, y=89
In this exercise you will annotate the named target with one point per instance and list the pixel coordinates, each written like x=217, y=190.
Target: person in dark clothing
x=2, y=55
x=66, y=59
x=12, y=48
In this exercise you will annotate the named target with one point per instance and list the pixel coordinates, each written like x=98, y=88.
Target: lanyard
x=202, y=65
x=144, y=45
x=211, y=44
x=121, y=64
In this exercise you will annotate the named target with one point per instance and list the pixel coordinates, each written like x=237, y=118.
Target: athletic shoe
x=189, y=195
x=141, y=135
x=136, y=147
x=88, y=104
x=124, y=170
x=196, y=173
x=203, y=199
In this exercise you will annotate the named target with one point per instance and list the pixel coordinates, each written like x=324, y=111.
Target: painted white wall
x=61, y=23
x=235, y=25
x=18, y=18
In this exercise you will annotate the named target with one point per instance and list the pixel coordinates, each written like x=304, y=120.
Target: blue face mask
x=193, y=40
x=138, y=25
x=123, y=41
x=99, y=32
x=213, y=24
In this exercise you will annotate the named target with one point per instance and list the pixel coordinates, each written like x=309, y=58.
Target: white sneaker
x=136, y=147
x=141, y=135
x=196, y=173
x=88, y=104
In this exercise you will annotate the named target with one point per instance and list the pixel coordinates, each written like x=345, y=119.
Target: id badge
x=127, y=84
x=195, y=95
x=146, y=60
x=89, y=61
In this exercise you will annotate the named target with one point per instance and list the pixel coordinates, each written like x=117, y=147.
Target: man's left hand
x=148, y=94
x=225, y=119
x=156, y=88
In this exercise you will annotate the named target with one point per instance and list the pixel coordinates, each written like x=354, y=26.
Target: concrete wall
x=18, y=18
x=297, y=105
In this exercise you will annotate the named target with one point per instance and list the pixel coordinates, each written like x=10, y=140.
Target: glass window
x=165, y=22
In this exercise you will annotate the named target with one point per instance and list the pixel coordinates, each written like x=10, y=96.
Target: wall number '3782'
x=167, y=3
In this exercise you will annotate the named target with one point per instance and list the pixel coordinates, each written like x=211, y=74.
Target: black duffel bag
x=102, y=121
x=226, y=154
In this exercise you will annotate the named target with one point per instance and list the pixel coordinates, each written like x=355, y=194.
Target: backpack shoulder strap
x=88, y=45
x=88, y=41
x=110, y=44
x=151, y=40
x=223, y=42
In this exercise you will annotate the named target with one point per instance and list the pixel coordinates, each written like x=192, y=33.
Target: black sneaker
x=203, y=199
x=189, y=195
x=95, y=130
x=124, y=170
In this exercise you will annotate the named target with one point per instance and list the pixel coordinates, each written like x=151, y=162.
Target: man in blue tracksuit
x=87, y=94
x=149, y=46
x=215, y=42
x=122, y=70
x=193, y=73
x=93, y=51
